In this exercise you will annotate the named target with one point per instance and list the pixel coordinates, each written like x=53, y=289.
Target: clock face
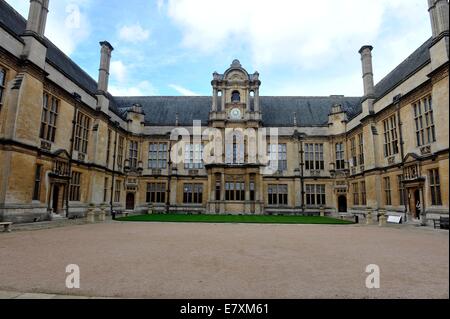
x=235, y=114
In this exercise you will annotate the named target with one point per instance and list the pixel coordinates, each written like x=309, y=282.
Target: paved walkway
x=175, y=260
x=27, y=295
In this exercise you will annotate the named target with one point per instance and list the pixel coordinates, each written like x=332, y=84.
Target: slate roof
x=277, y=111
x=404, y=70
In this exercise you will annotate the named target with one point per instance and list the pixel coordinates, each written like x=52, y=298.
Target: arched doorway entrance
x=130, y=201
x=342, y=204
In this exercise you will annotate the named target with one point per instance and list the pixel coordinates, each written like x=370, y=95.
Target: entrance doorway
x=342, y=204
x=130, y=201
x=417, y=204
x=55, y=199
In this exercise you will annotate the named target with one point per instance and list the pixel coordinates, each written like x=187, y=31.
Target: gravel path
x=171, y=260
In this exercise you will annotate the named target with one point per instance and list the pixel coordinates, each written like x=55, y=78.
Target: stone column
x=248, y=101
x=222, y=108
x=214, y=101
x=256, y=102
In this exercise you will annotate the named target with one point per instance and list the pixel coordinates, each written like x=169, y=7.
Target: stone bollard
x=90, y=215
x=382, y=221
x=102, y=213
x=322, y=211
x=150, y=209
x=369, y=220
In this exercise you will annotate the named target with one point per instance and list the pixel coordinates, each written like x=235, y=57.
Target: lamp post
x=300, y=137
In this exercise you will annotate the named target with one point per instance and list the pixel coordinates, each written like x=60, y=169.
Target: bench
x=441, y=223
x=6, y=226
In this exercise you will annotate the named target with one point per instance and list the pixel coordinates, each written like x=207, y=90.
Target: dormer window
x=235, y=97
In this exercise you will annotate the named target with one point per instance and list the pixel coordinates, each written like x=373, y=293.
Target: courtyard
x=215, y=260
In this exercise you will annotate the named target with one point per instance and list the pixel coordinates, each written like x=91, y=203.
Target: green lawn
x=267, y=219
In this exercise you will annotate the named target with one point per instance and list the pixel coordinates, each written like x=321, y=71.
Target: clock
x=235, y=114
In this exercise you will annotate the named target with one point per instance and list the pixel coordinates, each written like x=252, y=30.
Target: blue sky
x=299, y=47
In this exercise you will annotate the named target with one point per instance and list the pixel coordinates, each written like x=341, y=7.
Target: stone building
x=66, y=143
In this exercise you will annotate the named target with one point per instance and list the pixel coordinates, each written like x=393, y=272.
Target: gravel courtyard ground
x=174, y=260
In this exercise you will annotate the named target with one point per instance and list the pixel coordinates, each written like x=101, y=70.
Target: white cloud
x=118, y=71
x=67, y=22
x=182, y=90
x=144, y=88
x=133, y=33
x=302, y=33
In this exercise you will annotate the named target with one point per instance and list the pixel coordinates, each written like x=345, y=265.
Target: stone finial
x=177, y=119
x=295, y=118
x=236, y=64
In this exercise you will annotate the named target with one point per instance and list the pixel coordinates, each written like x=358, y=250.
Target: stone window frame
x=353, y=151
x=424, y=121
x=340, y=155
x=117, y=191
x=75, y=187
x=361, y=148
x=157, y=155
x=277, y=194
x=133, y=152
x=390, y=135
x=120, y=149
x=315, y=194
x=363, y=193
x=235, y=189
x=82, y=128
x=3, y=74
x=49, y=116
x=156, y=192
x=355, y=189
x=37, y=182
x=278, y=152
x=314, y=158
x=387, y=191
x=192, y=193
x=435, y=187
x=401, y=189
x=193, y=153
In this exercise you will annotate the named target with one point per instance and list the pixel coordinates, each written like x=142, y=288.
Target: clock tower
x=235, y=98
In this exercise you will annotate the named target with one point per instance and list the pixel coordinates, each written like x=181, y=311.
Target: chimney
x=439, y=16
x=366, y=60
x=105, y=59
x=37, y=17
x=35, y=49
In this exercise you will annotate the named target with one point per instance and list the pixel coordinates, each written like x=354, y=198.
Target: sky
x=299, y=47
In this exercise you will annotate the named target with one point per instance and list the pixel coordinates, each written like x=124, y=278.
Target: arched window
x=235, y=96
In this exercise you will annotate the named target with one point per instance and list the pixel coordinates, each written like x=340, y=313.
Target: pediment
x=411, y=158
x=62, y=155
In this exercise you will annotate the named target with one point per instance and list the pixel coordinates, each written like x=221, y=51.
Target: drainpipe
x=113, y=170
x=396, y=101
x=77, y=98
x=169, y=175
